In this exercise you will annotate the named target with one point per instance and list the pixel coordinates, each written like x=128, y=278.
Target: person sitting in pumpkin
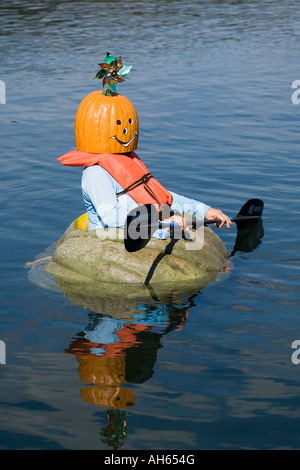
x=114, y=179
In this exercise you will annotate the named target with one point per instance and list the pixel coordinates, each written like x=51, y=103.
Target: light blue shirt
x=104, y=330
x=105, y=209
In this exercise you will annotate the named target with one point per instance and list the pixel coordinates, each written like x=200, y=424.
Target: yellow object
x=106, y=124
x=82, y=222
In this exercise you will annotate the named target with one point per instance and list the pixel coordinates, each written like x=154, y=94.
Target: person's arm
x=193, y=207
x=198, y=209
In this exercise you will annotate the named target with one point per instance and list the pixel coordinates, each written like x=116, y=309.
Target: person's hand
x=178, y=220
x=217, y=214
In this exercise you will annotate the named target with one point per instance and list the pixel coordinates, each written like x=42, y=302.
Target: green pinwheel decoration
x=112, y=71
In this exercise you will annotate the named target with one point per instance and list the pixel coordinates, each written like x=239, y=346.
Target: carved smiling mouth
x=125, y=144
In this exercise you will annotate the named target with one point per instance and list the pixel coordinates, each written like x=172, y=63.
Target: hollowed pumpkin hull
x=95, y=263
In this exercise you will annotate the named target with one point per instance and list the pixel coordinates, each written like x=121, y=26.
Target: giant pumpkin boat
x=96, y=262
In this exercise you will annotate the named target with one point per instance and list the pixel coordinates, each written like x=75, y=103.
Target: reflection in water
x=249, y=239
x=115, y=429
x=119, y=347
x=113, y=352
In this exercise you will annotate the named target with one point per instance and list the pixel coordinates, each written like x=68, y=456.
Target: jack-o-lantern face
x=106, y=124
x=129, y=123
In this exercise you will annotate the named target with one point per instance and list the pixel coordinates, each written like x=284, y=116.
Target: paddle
x=249, y=214
x=143, y=221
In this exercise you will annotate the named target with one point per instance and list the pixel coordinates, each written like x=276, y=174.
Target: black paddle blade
x=252, y=207
x=140, y=225
x=249, y=214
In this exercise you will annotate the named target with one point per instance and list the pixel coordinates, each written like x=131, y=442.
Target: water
x=211, y=82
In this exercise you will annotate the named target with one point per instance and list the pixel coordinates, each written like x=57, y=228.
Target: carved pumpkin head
x=106, y=124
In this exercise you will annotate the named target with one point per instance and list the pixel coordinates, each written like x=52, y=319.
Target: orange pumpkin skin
x=106, y=124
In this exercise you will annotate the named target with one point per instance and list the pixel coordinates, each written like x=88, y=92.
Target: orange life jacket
x=128, y=170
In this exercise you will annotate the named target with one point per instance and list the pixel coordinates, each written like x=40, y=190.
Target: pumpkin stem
x=107, y=92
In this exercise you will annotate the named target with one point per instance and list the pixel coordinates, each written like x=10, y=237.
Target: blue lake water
x=212, y=85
